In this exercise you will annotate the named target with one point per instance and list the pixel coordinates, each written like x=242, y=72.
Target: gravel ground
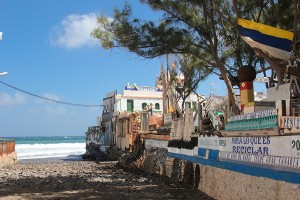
x=87, y=180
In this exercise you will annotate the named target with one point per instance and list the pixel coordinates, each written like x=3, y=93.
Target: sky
x=47, y=50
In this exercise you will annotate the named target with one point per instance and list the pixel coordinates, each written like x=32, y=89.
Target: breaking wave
x=35, y=151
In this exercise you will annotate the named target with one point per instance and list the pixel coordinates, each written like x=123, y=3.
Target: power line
x=48, y=99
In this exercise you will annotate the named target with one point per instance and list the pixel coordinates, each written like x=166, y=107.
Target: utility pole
x=2, y=73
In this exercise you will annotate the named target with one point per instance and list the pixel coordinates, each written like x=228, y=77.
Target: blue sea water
x=51, y=147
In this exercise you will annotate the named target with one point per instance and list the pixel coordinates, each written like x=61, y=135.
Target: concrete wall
x=183, y=127
x=280, y=92
x=224, y=184
x=142, y=94
x=216, y=182
x=8, y=159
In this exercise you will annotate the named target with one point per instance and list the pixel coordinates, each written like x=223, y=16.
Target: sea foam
x=35, y=151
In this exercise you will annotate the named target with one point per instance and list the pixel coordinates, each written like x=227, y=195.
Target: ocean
x=50, y=148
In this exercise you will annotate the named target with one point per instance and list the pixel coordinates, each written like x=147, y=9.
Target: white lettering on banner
x=280, y=161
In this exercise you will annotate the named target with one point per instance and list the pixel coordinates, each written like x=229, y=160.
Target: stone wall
x=224, y=184
x=8, y=159
x=156, y=161
x=217, y=183
x=153, y=161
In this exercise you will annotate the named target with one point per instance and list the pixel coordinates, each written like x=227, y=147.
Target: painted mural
x=278, y=152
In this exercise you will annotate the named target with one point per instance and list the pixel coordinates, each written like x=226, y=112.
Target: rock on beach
x=87, y=180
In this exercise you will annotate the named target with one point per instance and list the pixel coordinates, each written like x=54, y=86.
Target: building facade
x=136, y=110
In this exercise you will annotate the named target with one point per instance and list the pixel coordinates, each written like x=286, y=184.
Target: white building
x=137, y=98
x=133, y=99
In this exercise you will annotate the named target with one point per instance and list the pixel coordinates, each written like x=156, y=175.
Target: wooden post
x=199, y=117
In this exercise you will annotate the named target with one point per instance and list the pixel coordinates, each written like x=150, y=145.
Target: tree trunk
x=183, y=103
x=280, y=76
x=231, y=96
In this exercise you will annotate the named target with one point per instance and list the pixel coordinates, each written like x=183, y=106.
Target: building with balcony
x=136, y=110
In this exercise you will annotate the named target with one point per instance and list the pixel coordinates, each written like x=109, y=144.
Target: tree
x=192, y=72
x=285, y=15
x=194, y=27
x=282, y=14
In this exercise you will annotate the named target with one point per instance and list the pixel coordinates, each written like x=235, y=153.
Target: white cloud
x=52, y=107
x=8, y=100
x=52, y=96
x=20, y=98
x=49, y=96
x=56, y=110
x=75, y=31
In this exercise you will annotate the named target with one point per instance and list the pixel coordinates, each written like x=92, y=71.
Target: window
x=187, y=104
x=144, y=105
x=130, y=105
x=123, y=127
x=157, y=107
x=194, y=105
x=144, y=121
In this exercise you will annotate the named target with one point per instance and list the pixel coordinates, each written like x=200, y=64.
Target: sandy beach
x=87, y=180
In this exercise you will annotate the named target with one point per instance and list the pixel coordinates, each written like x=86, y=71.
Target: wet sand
x=58, y=179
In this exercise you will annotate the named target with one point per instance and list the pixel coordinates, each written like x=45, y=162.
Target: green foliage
x=182, y=30
x=104, y=36
x=193, y=70
x=279, y=14
x=194, y=27
x=203, y=29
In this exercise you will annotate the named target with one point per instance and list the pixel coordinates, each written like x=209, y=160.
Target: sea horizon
x=34, y=148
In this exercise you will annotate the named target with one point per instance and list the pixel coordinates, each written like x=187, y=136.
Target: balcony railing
x=7, y=146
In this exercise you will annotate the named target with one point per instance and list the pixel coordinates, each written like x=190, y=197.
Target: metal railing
x=7, y=146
